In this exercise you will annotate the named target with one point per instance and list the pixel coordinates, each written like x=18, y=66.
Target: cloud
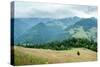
x=47, y=10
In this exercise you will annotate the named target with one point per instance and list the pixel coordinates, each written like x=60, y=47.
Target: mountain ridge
x=44, y=32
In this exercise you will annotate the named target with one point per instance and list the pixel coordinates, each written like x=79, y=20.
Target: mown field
x=28, y=56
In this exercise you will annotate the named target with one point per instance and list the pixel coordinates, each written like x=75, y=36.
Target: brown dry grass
x=44, y=56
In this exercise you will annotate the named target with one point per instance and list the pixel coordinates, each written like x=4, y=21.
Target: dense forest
x=65, y=44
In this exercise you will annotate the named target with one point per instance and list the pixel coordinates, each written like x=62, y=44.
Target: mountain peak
x=40, y=25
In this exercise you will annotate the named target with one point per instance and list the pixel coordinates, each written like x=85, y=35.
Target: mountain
x=87, y=23
x=43, y=30
x=85, y=28
x=64, y=22
x=23, y=24
x=41, y=33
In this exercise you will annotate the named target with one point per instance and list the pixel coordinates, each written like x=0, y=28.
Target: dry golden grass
x=45, y=56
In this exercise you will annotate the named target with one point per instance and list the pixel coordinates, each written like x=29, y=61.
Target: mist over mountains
x=43, y=30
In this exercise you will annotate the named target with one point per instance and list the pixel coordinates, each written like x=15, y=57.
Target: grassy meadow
x=28, y=56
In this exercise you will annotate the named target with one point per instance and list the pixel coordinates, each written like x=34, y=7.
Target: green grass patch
x=21, y=58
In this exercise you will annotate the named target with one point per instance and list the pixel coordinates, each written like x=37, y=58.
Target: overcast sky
x=47, y=10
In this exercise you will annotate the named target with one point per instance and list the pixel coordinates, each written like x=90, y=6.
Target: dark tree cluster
x=65, y=44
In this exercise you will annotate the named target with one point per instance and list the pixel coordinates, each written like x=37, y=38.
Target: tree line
x=65, y=44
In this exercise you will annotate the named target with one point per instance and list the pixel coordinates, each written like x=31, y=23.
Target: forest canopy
x=65, y=44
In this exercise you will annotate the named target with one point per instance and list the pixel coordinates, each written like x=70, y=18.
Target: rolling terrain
x=47, y=41
x=32, y=31
x=24, y=56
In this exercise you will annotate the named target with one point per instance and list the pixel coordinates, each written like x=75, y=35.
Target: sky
x=51, y=10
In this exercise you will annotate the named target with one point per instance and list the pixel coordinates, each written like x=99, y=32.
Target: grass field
x=26, y=56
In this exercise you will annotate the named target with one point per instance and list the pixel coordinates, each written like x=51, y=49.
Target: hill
x=37, y=30
x=85, y=28
x=24, y=56
x=43, y=30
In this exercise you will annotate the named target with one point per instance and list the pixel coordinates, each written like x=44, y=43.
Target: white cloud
x=47, y=10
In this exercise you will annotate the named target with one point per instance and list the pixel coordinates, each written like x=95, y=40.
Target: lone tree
x=78, y=53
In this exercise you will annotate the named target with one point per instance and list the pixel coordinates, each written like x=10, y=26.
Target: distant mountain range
x=85, y=28
x=43, y=30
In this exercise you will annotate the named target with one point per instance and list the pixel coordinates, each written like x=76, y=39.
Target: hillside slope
x=24, y=56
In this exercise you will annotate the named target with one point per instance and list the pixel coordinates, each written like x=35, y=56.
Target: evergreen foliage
x=65, y=44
